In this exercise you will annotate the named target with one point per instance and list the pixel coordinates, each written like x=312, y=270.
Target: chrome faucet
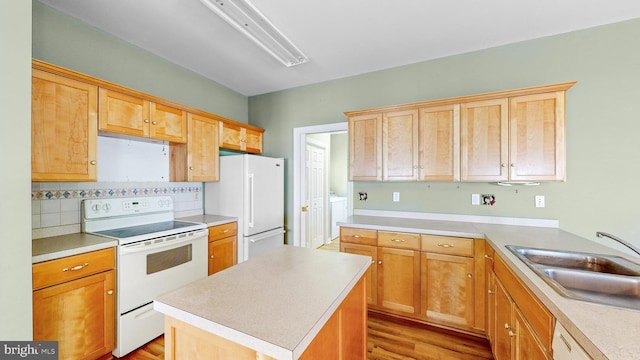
x=625, y=243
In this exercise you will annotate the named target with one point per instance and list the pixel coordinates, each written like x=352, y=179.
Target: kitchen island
x=290, y=303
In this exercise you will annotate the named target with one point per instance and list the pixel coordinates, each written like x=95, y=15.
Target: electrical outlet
x=396, y=196
x=539, y=201
x=475, y=199
x=488, y=199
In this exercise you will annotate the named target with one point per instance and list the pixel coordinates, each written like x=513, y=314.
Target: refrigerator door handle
x=251, y=199
x=267, y=235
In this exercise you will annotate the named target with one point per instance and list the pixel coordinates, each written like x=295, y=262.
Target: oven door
x=148, y=269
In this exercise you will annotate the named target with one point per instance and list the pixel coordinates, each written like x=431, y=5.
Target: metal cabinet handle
x=511, y=333
x=446, y=245
x=490, y=292
x=488, y=257
x=110, y=292
x=93, y=162
x=513, y=165
x=469, y=276
x=146, y=121
x=379, y=262
x=77, y=267
x=211, y=257
x=154, y=123
x=398, y=240
x=357, y=236
x=224, y=231
x=503, y=165
x=506, y=326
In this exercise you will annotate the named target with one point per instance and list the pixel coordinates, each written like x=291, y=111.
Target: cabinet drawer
x=358, y=236
x=399, y=240
x=447, y=245
x=222, y=231
x=72, y=267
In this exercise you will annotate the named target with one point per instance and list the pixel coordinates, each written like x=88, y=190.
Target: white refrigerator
x=251, y=188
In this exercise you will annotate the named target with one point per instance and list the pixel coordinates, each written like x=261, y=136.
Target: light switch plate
x=396, y=196
x=475, y=199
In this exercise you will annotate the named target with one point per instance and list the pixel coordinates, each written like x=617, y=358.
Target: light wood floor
x=388, y=339
x=334, y=245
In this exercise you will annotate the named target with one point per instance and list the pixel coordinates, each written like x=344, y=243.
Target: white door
x=316, y=195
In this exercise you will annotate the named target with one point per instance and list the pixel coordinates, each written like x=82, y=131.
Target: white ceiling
x=341, y=37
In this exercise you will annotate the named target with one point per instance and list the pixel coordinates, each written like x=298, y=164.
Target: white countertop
x=604, y=332
x=55, y=247
x=274, y=303
x=209, y=220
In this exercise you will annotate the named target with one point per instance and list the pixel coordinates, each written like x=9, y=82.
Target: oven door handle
x=142, y=246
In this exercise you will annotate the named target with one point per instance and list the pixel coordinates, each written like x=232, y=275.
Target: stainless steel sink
x=604, y=279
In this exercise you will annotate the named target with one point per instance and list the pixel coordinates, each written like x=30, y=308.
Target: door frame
x=299, y=145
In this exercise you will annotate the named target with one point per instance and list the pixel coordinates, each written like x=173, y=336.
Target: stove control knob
x=167, y=202
x=106, y=207
x=95, y=207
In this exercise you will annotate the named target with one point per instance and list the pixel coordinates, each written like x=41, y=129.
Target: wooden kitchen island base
x=324, y=315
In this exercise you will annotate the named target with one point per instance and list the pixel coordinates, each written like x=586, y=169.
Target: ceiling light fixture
x=244, y=17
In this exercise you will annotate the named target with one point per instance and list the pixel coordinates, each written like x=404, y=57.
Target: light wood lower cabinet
x=74, y=303
x=522, y=327
x=437, y=279
x=223, y=247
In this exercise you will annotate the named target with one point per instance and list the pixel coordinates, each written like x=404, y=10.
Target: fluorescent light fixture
x=243, y=16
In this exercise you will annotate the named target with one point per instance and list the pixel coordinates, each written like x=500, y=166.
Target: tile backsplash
x=55, y=206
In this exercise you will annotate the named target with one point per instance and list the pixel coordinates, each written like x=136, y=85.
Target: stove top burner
x=132, y=231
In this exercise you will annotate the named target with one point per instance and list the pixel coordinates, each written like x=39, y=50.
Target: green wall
x=70, y=43
x=15, y=171
x=602, y=126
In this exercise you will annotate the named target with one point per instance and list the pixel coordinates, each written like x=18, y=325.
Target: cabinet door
x=503, y=303
x=490, y=296
x=202, y=149
x=484, y=140
x=371, y=277
x=167, y=123
x=64, y=131
x=231, y=137
x=400, y=145
x=537, y=125
x=439, y=143
x=79, y=314
x=253, y=141
x=365, y=147
x=399, y=279
x=526, y=345
x=123, y=114
x=222, y=254
x=447, y=288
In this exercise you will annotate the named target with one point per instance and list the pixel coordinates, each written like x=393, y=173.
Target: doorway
x=302, y=214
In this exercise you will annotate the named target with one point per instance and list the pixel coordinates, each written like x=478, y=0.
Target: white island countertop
x=605, y=332
x=275, y=303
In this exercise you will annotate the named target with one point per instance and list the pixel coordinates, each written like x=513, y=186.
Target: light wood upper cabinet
x=400, y=145
x=131, y=115
x=365, y=147
x=198, y=159
x=240, y=138
x=537, y=139
x=484, y=140
x=514, y=135
x=63, y=128
x=439, y=143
